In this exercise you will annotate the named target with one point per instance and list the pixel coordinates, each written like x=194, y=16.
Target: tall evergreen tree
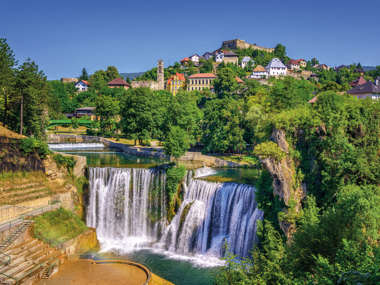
x=84, y=74
x=7, y=64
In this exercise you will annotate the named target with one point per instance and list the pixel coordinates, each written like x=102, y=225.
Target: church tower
x=160, y=75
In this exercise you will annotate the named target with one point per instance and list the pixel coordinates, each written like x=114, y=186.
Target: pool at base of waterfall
x=176, y=269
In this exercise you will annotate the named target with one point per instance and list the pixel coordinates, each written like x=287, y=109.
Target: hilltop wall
x=241, y=44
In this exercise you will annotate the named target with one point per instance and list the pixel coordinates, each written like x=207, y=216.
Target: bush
x=29, y=145
x=174, y=176
x=65, y=161
x=269, y=150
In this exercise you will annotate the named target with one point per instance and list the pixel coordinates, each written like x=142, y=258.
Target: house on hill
x=218, y=55
x=207, y=55
x=359, y=81
x=295, y=64
x=118, y=83
x=366, y=90
x=276, y=68
x=195, y=58
x=201, y=81
x=185, y=60
x=321, y=67
x=85, y=111
x=175, y=83
x=259, y=73
x=245, y=61
x=82, y=85
x=230, y=57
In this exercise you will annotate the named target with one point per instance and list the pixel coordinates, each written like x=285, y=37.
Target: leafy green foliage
x=174, y=176
x=65, y=161
x=30, y=144
x=177, y=142
x=57, y=226
x=269, y=150
x=107, y=108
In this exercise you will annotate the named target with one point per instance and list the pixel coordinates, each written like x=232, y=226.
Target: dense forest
x=332, y=150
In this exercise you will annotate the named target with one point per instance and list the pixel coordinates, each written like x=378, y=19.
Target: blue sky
x=64, y=36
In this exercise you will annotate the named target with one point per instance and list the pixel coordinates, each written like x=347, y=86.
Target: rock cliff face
x=285, y=184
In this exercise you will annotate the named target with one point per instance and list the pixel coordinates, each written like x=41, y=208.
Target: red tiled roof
x=203, y=75
x=359, y=81
x=180, y=76
x=118, y=82
x=86, y=82
x=185, y=59
x=296, y=61
x=239, y=80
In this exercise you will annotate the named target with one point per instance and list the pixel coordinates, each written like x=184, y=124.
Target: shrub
x=269, y=150
x=29, y=145
x=57, y=226
x=65, y=161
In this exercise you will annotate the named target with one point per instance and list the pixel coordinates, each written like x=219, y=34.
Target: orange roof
x=86, y=82
x=259, y=68
x=239, y=80
x=185, y=59
x=203, y=75
x=118, y=82
x=180, y=76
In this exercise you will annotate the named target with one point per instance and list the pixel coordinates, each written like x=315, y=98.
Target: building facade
x=201, y=81
x=276, y=68
x=118, y=83
x=230, y=57
x=175, y=83
x=82, y=85
x=245, y=61
x=366, y=90
x=259, y=73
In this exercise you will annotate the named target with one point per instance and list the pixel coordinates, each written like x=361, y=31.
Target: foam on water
x=64, y=146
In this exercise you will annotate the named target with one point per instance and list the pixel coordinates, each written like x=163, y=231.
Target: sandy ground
x=84, y=272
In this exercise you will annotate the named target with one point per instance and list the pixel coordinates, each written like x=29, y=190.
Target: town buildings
x=218, y=55
x=241, y=44
x=245, y=61
x=118, y=83
x=366, y=90
x=201, y=81
x=230, y=57
x=276, y=68
x=259, y=73
x=82, y=85
x=175, y=83
x=154, y=85
x=359, y=81
x=207, y=55
x=295, y=64
x=195, y=58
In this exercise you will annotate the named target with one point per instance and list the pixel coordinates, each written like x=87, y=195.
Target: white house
x=245, y=61
x=81, y=85
x=259, y=73
x=219, y=56
x=276, y=68
x=194, y=58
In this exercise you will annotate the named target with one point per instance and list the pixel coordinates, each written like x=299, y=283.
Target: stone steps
x=33, y=196
x=17, y=193
x=20, y=186
x=29, y=258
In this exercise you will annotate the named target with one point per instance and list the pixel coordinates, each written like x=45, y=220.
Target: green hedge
x=29, y=145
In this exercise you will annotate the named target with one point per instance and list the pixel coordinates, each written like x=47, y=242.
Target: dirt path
x=83, y=272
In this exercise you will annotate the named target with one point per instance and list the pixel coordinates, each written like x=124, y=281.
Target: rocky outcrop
x=285, y=184
x=84, y=242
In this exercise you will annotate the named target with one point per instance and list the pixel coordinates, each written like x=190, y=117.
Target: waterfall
x=127, y=206
x=204, y=171
x=64, y=146
x=128, y=209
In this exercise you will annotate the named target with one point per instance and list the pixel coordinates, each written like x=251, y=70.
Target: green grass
x=58, y=226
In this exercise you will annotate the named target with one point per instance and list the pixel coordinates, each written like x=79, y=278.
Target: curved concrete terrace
x=84, y=271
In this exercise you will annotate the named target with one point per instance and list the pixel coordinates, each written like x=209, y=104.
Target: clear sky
x=64, y=36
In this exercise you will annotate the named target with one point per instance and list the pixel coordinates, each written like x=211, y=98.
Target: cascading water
x=128, y=209
x=76, y=146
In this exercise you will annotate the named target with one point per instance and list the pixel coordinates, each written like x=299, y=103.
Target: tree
x=84, y=74
x=177, y=142
x=280, y=51
x=107, y=108
x=111, y=73
x=30, y=100
x=226, y=85
x=7, y=65
x=98, y=79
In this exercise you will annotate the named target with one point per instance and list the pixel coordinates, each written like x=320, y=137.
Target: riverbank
x=190, y=159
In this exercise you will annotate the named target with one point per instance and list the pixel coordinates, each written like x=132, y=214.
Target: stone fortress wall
x=241, y=44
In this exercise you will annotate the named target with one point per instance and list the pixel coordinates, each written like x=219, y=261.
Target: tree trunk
x=22, y=114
